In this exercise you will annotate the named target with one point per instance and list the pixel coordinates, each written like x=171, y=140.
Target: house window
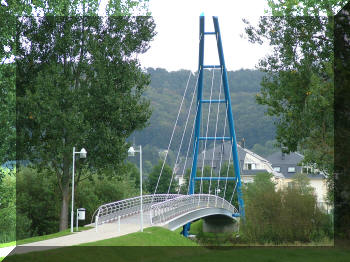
x=277, y=169
x=308, y=170
x=291, y=169
x=249, y=166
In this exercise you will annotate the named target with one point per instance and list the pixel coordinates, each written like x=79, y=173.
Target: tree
x=38, y=201
x=298, y=86
x=79, y=84
x=164, y=180
x=8, y=206
x=301, y=182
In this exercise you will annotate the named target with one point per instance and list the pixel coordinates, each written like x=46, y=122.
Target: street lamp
x=131, y=152
x=82, y=154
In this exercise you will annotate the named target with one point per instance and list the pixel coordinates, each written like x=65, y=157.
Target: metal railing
x=126, y=207
x=169, y=209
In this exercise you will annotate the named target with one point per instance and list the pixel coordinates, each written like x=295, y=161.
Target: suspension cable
x=188, y=149
x=223, y=145
x=172, y=134
x=206, y=133
x=183, y=135
x=240, y=169
x=216, y=130
x=228, y=168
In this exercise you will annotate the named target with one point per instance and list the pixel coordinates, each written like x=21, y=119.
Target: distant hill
x=166, y=91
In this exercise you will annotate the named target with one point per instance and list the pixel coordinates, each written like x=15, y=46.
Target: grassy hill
x=153, y=236
x=158, y=244
x=165, y=94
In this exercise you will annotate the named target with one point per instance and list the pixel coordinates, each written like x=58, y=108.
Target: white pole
x=72, y=213
x=141, y=188
x=118, y=223
x=96, y=222
x=77, y=220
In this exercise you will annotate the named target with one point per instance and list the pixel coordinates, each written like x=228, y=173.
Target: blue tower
x=227, y=102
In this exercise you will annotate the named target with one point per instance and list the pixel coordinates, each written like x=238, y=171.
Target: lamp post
x=131, y=152
x=82, y=154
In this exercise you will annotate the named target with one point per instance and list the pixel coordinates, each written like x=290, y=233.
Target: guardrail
x=126, y=207
x=169, y=209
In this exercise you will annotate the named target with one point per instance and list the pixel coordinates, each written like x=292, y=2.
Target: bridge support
x=186, y=229
x=219, y=224
x=236, y=176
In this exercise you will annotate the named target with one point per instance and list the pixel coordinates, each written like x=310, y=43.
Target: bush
x=282, y=216
x=8, y=205
x=39, y=199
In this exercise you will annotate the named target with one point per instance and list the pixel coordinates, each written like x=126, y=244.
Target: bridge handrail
x=164, y=211
x=111, y=211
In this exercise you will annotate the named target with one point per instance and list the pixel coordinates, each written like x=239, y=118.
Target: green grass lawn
x=8, y=244
x=195, y=228
x=153, y=236
x=153, y=247
x=40, y=238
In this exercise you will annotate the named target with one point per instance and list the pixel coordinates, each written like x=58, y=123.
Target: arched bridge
x=171, y=211
x=175, y=210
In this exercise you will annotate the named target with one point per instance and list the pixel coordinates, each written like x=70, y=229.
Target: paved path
x=5, y=251
x=109, y=230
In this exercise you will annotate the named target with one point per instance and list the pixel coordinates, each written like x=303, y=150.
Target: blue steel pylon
x=227, y=101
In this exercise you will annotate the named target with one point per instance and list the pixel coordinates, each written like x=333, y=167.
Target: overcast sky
x=177, y=24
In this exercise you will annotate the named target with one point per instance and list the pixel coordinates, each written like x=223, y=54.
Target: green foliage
x=166, y=91
x=266, y=149
x=301, y=182
x=7, y=112
x=38, y=201
x=10, y=11
x=14, y=223
x=78, y=88
x=164, y=181
x=97, y=191
x=8, y=206
x=37, y=211
x=298, y=87
x=283, y=216
x=305, y=7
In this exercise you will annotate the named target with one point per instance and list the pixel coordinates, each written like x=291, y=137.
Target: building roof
x=223, y=150
x=292, y=159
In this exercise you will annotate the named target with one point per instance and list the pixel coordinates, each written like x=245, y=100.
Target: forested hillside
x=166, y=91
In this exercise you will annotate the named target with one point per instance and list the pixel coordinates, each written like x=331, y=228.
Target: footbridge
x=169, y=211
x=213, y=125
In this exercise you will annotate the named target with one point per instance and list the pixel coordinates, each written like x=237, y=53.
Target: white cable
x=171, y=138
x=183, y=135
x=172, y=135
x=240, y=170
x=233, y=192
x=228, y=168
x=223, y=145
x=188, y=149
x=216, y=130
x=206, y=133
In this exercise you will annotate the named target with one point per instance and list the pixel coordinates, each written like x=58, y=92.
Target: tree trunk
x=64, y=208
x=64, y=217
